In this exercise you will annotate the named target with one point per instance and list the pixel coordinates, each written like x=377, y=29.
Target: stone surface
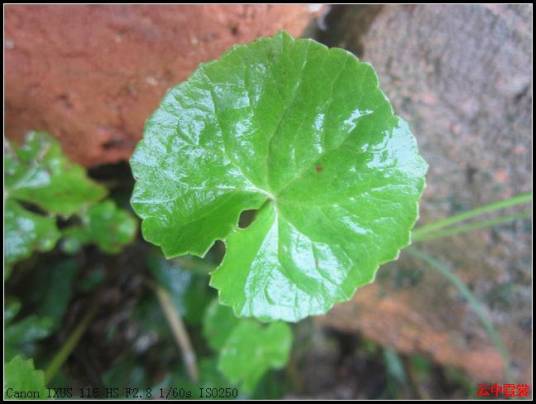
x=91, y=75
x=462, y=76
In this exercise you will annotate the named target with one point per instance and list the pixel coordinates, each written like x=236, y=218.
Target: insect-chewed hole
x=216, y=252
x=246, y=218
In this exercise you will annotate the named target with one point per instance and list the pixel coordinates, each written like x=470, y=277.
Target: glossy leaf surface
x=303, y=134
x=39, y=173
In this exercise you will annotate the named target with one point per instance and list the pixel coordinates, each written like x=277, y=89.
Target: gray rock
x=462, y=77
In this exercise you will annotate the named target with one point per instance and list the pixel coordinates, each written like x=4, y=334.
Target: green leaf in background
x=302, y=133
x=26, y=232
x=252, y=349
x=39, y=173
x=218, y=323
x=247, y=349
x=92, y=279
x=59, y=278
x=104, y=224
x=188, y=289
x=48, y=309
x=11, y=309
x=21, y=376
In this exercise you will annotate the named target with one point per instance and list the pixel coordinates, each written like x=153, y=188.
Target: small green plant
x=43, y=185
x=49, y=198
x=303, y=135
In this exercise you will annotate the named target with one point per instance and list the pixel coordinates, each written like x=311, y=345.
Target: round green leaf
x=302, y=133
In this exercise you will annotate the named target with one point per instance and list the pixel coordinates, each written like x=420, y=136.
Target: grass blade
x=419, y=236
x=492, y=207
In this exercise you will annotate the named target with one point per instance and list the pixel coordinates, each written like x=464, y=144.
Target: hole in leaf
x=246, y=218
x=216, y=252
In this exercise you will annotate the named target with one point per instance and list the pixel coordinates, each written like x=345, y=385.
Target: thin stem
x=179, y=331
x=61, y=356
x=469, y=227
x=473, y=302
x=516, y=200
